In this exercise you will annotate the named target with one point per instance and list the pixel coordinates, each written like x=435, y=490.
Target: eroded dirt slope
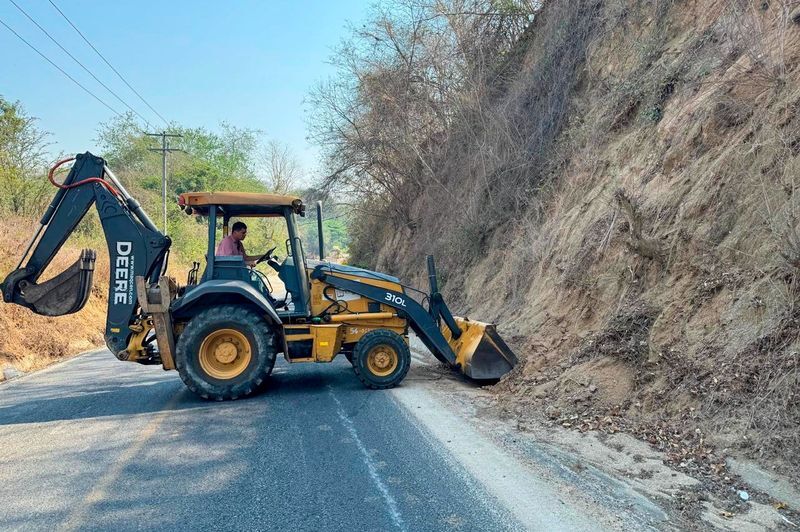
x=29, y=341
x=649, y=278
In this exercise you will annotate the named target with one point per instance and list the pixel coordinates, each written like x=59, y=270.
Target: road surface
x=94, y=443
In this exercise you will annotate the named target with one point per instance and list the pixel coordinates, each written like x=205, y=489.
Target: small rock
x=743, y=495
x=11, y=373
x=552, y=412
x=794, y=16
x=592, y=388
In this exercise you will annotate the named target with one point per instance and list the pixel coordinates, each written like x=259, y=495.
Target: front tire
x=381, y=359
x=225, y=352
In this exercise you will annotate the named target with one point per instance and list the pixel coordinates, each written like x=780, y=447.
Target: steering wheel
x=265, y=256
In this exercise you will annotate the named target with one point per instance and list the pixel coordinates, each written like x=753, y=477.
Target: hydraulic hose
x=62, y=186
x=51, y=208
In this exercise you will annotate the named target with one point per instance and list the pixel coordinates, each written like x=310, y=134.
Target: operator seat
x=299, y=291
x=234, y=268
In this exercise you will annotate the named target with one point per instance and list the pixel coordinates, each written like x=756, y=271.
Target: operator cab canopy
x=238, y=204
x=227, y=205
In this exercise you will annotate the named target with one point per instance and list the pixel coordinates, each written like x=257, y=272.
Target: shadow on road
x=97, y=387
x=102, y=445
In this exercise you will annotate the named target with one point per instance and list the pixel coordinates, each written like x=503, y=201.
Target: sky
x=246, y=62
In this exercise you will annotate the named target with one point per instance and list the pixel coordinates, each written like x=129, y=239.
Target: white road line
x=535, y=503
x=373, y=471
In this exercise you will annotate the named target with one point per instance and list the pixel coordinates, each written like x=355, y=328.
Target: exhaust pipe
x=319, y=231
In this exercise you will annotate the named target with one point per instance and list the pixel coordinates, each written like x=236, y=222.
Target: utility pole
x=164, y=149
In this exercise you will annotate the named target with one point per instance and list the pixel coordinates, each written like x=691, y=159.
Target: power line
x=32, y=47
x=109, y=64
x=307, y=222
x=123, y=102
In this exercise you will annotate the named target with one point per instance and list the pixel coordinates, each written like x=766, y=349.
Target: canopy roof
x=241, y=203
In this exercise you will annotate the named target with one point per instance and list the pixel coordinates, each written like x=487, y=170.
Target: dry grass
x=713, y=175
x=29, y=341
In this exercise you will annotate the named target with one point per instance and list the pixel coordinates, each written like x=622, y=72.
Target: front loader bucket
x=480, y=352
x=65, y=293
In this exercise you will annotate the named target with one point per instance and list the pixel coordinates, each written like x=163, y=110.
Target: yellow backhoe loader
x=223, y=329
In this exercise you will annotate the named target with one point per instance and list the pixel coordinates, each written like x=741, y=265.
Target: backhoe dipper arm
x=135, y=247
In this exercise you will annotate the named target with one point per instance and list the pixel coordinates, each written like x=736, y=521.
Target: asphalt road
x=94, y=443
x=98, y=444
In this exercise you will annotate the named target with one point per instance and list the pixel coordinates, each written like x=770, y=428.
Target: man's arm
x=250, y=260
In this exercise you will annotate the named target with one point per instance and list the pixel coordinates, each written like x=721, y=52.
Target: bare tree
x=280, y=169
x=386, y=121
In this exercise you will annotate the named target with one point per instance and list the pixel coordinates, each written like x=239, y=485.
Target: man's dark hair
x=238, y=226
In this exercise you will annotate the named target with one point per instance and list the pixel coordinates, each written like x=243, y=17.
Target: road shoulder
x=621, y=482
x=47, y=369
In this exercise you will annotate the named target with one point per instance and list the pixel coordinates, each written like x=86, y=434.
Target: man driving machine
x=232, y=245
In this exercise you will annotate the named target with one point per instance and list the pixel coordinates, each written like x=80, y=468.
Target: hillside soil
x=647, y=275
x=28, y=341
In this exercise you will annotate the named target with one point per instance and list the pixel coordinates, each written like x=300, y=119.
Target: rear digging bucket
x=65, y=293
x=480, y=352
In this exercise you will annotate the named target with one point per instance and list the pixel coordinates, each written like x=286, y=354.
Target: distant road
x=94, y=443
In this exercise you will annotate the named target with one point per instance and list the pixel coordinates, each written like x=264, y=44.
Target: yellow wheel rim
x=224, y=354
x=382, y=360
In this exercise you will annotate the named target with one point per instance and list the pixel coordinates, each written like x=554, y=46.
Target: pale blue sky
x=247, y=62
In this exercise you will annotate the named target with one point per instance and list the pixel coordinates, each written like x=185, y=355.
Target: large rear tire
x=225, y=352
x=381, y=359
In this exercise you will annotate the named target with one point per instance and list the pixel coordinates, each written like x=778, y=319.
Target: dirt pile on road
x=29, y=341
x=647, y=265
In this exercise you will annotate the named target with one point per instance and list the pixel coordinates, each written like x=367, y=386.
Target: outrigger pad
x=480, y=351
x=65, y=293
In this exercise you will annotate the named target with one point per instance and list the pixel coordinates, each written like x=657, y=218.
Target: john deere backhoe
x=223, y=330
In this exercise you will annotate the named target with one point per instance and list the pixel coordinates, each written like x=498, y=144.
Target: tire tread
x=193, y=336
x=368, y=342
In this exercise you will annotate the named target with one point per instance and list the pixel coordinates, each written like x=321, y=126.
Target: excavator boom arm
x=135, y=248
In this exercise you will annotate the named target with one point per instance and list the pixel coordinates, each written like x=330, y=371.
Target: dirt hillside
x=29, y=341
x=629, y=216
